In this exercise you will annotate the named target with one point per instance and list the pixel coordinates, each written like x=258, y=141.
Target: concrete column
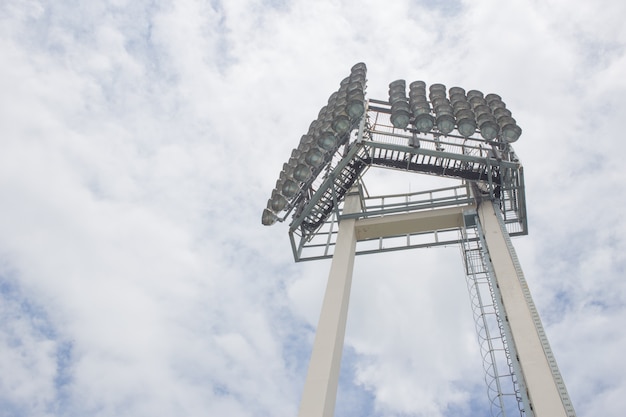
x=542, y=388
x=320, y=387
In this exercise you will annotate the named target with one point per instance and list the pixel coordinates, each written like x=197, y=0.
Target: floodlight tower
x=452, y=133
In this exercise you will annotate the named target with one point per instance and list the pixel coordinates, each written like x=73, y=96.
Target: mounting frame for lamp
x=491, y=165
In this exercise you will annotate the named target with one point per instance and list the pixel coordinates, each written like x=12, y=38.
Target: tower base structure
x=530, y=385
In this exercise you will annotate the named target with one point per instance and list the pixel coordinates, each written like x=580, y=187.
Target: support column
x=320, y=387
x=546, y=391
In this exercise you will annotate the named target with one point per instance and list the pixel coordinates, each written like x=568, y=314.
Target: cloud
x=141, y=140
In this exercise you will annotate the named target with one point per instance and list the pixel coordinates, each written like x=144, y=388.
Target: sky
x=140, y=141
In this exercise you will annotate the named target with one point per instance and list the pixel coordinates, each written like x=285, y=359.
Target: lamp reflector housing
x=445, y=123
x=466, y=126
x=355, y=109
x=488, y=129
x=289, y=188
x=511, y=132
x=314, y=157
x=278, y=203
x=327, y=141
x=302, y=173
x=268, y=218
x=424, y=122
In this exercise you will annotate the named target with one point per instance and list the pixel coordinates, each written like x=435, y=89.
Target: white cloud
x=141, y=140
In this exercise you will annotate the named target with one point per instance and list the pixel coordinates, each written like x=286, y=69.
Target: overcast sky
x=140, y=141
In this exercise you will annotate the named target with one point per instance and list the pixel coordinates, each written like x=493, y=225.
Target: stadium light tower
x=452, y=133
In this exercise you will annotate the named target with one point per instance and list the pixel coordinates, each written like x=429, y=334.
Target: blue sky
x=140, y=141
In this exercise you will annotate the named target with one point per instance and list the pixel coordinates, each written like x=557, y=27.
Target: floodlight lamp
x=461, y=105
x=397, y=84
x=327, y=141
x=341, y=124
x=439, y=101
x=293, y=162
x=443, y=108
x=279, y=183
x=289, y=167
x=400, y=119
x=456, y=90
x=303, y=148
x=302, y=172
x=323, y=111
x=418, y=85
x=488, y=129
x=492, y=97
x=358, y=66
x=314, y=157
x=355, y=95
x=354, y=86
x=295, y=153
x=511, y=133
x=358, y=77
x=501, y=112
x=278, y=203
x=396, y=95
x=437, y=96
x=400, y=105
x=418, y=100
x=313, y=126
x=437, y=88
x=355, y=109
x=417, y=95
x=481, y=110
x=400, y=116
x=457, y=98
x=307, y=139
x=466, y=126
x=477, y=101
x=424, y=122
x=464, y=114
x=289, y=188
x=445, y=123
x=506, y=120
x=323, y=126
x=474, y=93
x=268, y=218
x=496, y=104
x=418, y=109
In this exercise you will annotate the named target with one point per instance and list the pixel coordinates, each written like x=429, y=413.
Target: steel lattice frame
x=377, y=144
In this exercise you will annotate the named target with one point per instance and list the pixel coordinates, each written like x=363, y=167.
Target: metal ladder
x=503, y=389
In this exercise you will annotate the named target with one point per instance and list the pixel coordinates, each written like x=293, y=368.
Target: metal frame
x=377, y=144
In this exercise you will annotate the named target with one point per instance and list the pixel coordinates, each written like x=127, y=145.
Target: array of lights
x=326, y=134
x=437, y=112
x=443, y=112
